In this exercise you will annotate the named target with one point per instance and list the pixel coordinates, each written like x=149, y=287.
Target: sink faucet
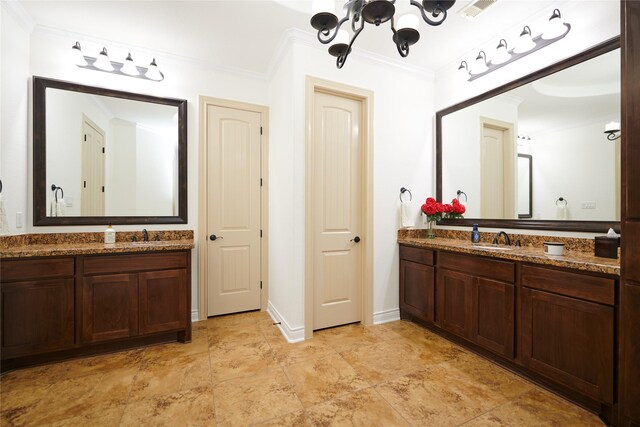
x=145, y=234
x=507, y=240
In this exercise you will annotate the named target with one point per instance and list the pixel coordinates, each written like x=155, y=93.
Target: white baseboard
x=291, y=334
x=194, y=315
x=386, y=316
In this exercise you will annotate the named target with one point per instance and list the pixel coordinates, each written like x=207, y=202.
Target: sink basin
x=494, y=248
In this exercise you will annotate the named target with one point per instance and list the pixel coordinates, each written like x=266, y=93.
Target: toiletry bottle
x=109, y=235
x=475, y=234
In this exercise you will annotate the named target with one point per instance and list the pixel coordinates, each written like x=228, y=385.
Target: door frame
x=205, y=103
x=365, y=97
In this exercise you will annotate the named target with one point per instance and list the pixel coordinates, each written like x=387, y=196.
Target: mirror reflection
x=558, y=123
x=110, y=156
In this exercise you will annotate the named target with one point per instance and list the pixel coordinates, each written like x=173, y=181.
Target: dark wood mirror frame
x=40, y=217
x=587, y=226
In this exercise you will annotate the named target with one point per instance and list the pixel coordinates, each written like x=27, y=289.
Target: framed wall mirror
x=485, y=147
x=106, y=156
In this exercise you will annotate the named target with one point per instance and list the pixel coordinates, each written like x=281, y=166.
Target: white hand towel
x=52, y=208
x=406, y=215
x=60, y=205
x=562, y=212
x=4, y=223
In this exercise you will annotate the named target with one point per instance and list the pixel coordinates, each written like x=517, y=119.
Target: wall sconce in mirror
x=555, y=30
x=105, y=64
x=611, y=129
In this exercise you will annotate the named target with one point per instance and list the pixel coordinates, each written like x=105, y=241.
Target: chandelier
x=376, y=12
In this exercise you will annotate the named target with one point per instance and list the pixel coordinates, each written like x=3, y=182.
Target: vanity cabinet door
x=570, y=341
x=163, y=301
x=454, y=295
x=37, y=316
x=417, y=289
x=109, y=307
x=493, y=316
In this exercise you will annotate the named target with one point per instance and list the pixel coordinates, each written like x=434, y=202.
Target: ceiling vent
x=475, y=8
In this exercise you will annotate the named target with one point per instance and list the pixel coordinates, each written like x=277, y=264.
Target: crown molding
x=17, y=10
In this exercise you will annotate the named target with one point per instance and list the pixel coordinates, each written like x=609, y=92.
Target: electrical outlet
x=588, y=205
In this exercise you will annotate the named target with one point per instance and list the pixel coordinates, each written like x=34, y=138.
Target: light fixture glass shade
x=463, y=71
x=409, y=21
x=612, y=127
x=129, y=67
x=502, y=55
x=78, y=56
x=103, y=62
x=525, y=43
x=153, y=73
x=555, y=27
x=322, y=6
x=480, y=64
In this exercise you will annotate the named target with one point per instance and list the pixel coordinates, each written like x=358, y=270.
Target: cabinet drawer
x=583, y=286
x=31, y=269
x=419, y=255
x=490, y=268
x=134, y=262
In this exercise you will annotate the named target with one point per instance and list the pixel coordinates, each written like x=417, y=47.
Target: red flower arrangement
x=436, y=211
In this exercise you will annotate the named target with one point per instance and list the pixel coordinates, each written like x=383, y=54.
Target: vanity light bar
x=537, y=43
x=128, y=68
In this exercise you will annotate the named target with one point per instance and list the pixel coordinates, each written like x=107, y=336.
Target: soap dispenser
x=109, y=235
x=475, y=234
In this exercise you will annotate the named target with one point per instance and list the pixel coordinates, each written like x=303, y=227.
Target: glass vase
x=431, y=232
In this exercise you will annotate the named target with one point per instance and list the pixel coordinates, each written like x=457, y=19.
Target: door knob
x=214, y=237
x=355, y=239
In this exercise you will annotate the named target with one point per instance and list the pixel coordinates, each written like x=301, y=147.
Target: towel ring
x=459, y=193
x=404, y=190
x=55, y=189
x=0, y=186
x=562, y=199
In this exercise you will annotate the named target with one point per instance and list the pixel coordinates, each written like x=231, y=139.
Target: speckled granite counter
x=59, y=244
x=577, y=260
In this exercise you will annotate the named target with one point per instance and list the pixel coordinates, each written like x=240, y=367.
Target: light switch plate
x=588, y=205
x=68, y=201
x=19, y=220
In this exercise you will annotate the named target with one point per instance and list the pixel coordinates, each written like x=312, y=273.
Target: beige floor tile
x=537, y=408
x=383, y=332
x=171, y=376
x=18, y=402
x=193, y=407
x=387, y=360
x=294, y=419
x=240, y=334
x=199, y=344
x=319, y=380
x=344, y=337
x=254, y=399
x=199, y=326
x=100, y=364
x=232, y=360
x=83, y=395
x=29, y=377
x=271, y=331
x=362, y=408
x=99, y=418
x=441, y=395
x=289, y=353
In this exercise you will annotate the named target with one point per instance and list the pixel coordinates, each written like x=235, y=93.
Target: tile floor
x=239, y=371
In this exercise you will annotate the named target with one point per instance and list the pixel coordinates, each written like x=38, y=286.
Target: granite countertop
x=577, y=260
x=60, y=244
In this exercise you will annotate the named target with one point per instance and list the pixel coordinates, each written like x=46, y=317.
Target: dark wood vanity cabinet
x=37, y=301
x=476, y=300
x=568, y=329
x=72, y=303
x=417, y=274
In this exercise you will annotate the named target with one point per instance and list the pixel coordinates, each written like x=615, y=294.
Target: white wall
x=156, y=155
x=402, y=156
x=121, y=168
x=14, y=102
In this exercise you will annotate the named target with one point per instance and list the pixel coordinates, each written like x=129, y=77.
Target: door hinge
x=102, y=150
x=260, y=233
x=260, y=182
x=260, y=130
x=260, y=284
x=85, y=184
x=103, y=188
x=85, y=137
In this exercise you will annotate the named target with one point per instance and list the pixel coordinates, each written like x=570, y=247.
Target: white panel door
x=92, y=185
x=337, y=211
x=492, y=174
x=233, y=223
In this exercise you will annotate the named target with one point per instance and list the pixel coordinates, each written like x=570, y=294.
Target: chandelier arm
x=327, y=33
x=437, y=12
x=403, y=48
x=340, y=60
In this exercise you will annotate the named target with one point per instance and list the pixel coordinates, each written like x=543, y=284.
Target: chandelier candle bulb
x=612, y=127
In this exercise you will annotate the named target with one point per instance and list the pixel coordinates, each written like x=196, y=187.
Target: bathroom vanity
x=69, y=299
x=550, y=319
